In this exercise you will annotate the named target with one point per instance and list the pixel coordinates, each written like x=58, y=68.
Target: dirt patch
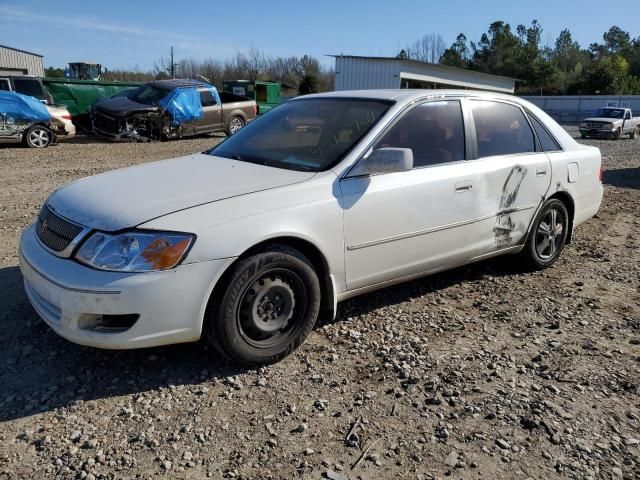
x=481, y=372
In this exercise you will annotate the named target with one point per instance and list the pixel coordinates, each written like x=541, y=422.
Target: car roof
x=407, y=95
x=178, y=83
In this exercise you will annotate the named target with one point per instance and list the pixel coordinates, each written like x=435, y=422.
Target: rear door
x=212, y=112
x=512, y=174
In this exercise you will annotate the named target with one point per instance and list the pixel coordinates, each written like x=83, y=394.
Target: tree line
x=564, y=68
x=305, y=73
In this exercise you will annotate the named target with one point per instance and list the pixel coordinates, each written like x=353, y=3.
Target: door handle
x=464, y=186
x=541, y=171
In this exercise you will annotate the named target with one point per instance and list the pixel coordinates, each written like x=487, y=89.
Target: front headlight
x=136, y=251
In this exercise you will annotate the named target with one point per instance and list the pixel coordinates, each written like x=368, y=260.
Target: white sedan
x=326, y=197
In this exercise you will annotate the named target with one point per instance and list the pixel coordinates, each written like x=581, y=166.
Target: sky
x=125, y=34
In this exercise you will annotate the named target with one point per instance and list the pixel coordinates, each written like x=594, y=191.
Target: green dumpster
x=80, y=95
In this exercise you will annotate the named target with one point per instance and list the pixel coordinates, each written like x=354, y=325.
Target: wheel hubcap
x=39, y=138
x=236, y=125
x=270, y=308
x=549, y=234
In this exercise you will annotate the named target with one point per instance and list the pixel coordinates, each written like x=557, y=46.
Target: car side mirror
x=384, y=160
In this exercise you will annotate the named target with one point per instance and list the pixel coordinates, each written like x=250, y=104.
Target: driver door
x=404, y=223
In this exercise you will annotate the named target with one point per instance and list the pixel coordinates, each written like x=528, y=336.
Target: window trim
x=531, y=116
x=204, y=90
x=399, y=115
x=474, y=139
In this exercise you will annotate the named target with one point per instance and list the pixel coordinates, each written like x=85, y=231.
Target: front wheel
x=634, y=133
x=234, y=125
x=616, y=134
x=269, y=306
x=548, y=235
x=38, y=137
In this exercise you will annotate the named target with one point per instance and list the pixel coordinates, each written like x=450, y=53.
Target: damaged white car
x=326, y=197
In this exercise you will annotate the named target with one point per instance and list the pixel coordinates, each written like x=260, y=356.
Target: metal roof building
x=14, y=61
x=364, y=73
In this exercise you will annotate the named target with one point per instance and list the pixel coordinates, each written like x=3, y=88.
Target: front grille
x=105, y=123
x=595, y=125
x=54, y=231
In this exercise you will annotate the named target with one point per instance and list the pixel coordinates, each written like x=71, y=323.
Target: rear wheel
x=38, y=137
x=234, y=125
x=269, y=306
x=548, y=235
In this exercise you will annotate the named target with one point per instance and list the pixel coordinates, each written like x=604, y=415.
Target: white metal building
x=14, y=61
x=363, y=73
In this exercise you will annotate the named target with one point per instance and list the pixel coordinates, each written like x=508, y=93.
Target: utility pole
x=172, y=65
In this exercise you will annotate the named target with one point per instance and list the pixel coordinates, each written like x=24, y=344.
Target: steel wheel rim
x=39, y=138
x=549, y=234
x=271, y=306
x=236, y=124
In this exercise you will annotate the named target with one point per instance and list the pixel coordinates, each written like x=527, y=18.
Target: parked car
x=166, y=109
x=327, y=197
x=61, y=122
x=26, y=120
x=611, y=122
x=26, y=85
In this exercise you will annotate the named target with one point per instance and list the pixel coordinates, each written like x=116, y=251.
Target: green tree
x=309, y=84
x=457, y=55
x=54, y=72
x=402, y=54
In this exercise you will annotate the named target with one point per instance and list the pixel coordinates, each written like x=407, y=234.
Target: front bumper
x=598, y=132
x=70, y=297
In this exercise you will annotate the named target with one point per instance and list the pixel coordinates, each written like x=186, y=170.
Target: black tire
x=539, y=254
x=37, y=136
x=583, y=135
x=634, y=133
x=616, y=134
x=234, y=124
x=269, y=305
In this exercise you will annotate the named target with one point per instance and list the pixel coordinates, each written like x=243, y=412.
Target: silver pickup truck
x=611, y=122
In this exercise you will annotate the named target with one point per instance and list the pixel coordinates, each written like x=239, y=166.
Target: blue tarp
x=18, y=108
x=183, y=104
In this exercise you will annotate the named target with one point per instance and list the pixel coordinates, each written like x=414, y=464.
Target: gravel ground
x=481, y=372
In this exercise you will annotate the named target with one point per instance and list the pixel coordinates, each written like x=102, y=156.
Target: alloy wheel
x=549, y=234
x=39, y=138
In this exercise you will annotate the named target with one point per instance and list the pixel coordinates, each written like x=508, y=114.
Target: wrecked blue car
x=165, y=109
x=26, y=120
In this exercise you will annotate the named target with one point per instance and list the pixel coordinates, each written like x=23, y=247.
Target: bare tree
x=429, y=48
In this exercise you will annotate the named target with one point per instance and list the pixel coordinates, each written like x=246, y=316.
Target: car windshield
x=148, y=95
x=309, y=134
x=609, y=113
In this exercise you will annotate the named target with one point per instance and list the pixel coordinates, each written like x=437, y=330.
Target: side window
x=549, y=144
x=206, y=98
x=28, y=86
x=501, y=129
x=4, y=84
x=434, y=131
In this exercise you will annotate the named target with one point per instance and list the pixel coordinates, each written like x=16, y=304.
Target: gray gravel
x=481, y=372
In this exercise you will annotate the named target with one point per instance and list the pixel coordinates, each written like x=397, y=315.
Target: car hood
x=130, y=196
x=124, y=106
x=602, y=119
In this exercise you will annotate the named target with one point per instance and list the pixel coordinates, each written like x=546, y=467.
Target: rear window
x=501, y=129
x=548, y=143
x=310, y=134
x=28, y=86
x=206, y=98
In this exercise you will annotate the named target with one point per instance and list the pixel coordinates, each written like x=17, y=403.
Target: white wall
x=353, y=73
x=575, y=108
